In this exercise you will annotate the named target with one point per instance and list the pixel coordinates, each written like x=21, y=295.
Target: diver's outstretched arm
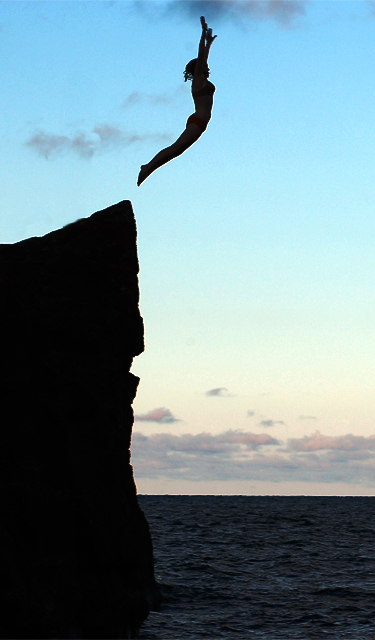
x=201, y=49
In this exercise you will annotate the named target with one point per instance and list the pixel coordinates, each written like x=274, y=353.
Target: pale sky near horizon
x=255, y=246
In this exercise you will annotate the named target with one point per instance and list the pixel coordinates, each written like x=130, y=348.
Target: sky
x=255, y=246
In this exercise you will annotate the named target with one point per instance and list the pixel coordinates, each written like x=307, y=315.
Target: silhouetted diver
x=203, y=95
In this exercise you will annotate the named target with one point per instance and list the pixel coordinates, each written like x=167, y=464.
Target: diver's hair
x=189, y=69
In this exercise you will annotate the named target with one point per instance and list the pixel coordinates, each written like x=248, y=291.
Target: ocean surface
x=262, y=567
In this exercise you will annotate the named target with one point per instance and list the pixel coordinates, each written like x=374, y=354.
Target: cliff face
x=75, y=548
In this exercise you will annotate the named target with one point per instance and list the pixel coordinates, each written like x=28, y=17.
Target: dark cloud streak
x=270, y=423
x=219, y=392
x=283, y=12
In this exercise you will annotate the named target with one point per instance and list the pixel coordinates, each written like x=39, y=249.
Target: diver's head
x=189, y=69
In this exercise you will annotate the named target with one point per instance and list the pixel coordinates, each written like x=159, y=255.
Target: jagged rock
x=76, y=552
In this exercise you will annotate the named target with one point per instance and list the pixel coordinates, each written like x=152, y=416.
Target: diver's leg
x=186, y=140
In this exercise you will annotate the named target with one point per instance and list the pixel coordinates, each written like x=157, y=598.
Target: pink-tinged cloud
x=251, y=440
x=227, y=443
x=161, y=414
x=247, y=456
x=319, y=442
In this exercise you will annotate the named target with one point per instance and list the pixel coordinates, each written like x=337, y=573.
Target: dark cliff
x=76, y=553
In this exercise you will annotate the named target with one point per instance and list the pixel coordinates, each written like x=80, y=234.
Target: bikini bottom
x=193, y=119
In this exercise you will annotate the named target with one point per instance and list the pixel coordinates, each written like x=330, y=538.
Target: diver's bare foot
x=143, y=174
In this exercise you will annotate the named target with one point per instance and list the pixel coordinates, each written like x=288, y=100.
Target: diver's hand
x=204, y=24
x=209, y=37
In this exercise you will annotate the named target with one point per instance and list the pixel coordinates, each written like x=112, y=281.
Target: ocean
x=262, y=567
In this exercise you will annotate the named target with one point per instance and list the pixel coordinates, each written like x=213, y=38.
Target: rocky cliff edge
x=76, y=552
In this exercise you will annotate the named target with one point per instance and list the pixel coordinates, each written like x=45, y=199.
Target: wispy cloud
x=161, y=415
x=164, y=99
x=283, y=12
x=221, y=392
x=248, y=456
x=307, y=417
x=270, y=423
x=137, y=97
x=102, y=138
x=250, y=414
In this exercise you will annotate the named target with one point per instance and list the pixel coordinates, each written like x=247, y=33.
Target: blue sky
x=255, y=246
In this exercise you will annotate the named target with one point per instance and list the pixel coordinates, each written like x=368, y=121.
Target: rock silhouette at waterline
x=76, y=552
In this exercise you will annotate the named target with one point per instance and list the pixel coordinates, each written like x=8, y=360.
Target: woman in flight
x=203, y=95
